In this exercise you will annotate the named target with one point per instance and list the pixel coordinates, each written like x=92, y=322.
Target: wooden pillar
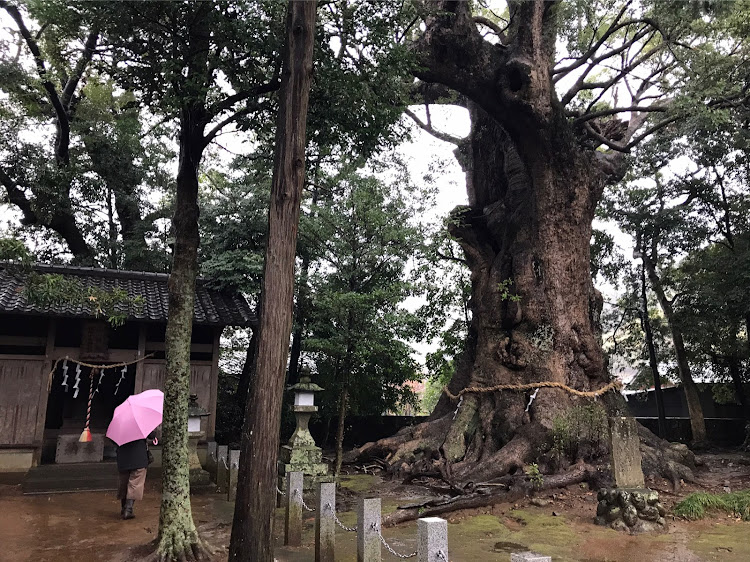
x=44, y=390
x=212, y=406
x=139, y=367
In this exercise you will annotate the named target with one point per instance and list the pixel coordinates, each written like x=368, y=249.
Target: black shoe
x=122, y=507
x=128, y=511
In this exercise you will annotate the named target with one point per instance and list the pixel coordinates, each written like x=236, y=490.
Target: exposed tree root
x=673, y=461
x=419, y=451
x=519, y=487
x=180, y=546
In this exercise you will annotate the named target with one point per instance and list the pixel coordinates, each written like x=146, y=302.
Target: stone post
x=368, y=529
x=211, y=459
x=222, y=464
x=626, y=453
x=325, y=526
x=432, y=538
x=529, y=557
x=234, y=469
x=293, y=520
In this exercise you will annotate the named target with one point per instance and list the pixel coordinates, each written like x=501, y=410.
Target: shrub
x=699, y=504
x=581, y=432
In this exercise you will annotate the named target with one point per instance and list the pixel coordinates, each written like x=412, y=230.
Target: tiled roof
x=212, y=307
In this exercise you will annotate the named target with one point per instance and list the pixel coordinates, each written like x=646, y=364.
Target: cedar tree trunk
x=252, y=529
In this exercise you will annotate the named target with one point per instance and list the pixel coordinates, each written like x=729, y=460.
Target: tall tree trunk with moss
x=252, y=529
x=178, y=537
x=695, y=410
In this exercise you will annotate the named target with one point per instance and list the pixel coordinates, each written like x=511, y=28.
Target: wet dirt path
x=86, y=527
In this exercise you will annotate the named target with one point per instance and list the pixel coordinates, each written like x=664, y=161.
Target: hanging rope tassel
x=86, y=433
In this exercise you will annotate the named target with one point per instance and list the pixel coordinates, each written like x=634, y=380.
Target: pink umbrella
x=135, y=418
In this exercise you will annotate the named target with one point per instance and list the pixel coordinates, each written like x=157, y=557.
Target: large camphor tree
x=558, y=95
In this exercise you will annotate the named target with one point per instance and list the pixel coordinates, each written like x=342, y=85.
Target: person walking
x=132, y=462
x=133, y=423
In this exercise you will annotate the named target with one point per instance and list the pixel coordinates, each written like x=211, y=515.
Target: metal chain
x=301, y=497
x=224, y=460
x=338, y=522
x=278, y=491
x=376, y=528
x=441, y=555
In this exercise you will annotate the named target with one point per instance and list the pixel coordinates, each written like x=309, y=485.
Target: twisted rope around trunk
x=614, y=385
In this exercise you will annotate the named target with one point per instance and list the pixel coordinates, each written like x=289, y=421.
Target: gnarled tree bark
x=533, y=180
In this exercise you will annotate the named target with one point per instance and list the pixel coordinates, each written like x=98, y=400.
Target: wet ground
x=86, y=526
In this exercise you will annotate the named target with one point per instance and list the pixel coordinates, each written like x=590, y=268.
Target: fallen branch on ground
x=580, y=472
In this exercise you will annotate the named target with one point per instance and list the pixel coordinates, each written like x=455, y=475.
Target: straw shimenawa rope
x=92, y=366
x=531, y=386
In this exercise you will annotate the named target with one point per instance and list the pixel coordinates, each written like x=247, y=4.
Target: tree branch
x=493, y=26
x=17, y=197
x=616, y=110
x=80, y=68
x=450, y=258
x=228, y=102
x=230, y=119
x=437, y=134
x=62, y=141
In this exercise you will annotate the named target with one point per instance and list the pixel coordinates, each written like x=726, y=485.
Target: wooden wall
x=22, y=385
x=23, y=380
x=200, y=384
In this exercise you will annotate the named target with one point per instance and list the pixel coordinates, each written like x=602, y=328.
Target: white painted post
x=368, y=529
x=432, y=539
x=293, y=520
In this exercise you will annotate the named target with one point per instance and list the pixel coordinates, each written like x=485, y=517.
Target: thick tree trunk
x=534, y=310
x=652, y=359
x=178, y=537
x=302, y=309
x=695, y=410
x=533, y=182
x=248, y=367
x=252, y=529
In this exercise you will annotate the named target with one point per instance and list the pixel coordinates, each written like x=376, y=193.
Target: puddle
x=510, y=547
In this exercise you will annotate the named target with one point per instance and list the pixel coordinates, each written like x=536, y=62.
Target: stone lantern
x=198, y=476
x=301, y=454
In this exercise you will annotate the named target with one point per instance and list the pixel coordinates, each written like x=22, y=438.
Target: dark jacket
x=131, y=456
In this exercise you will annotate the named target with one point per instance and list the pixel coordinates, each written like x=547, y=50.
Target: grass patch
x=698, y=505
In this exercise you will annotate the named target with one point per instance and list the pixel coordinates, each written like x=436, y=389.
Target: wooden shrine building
x=38, y=404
